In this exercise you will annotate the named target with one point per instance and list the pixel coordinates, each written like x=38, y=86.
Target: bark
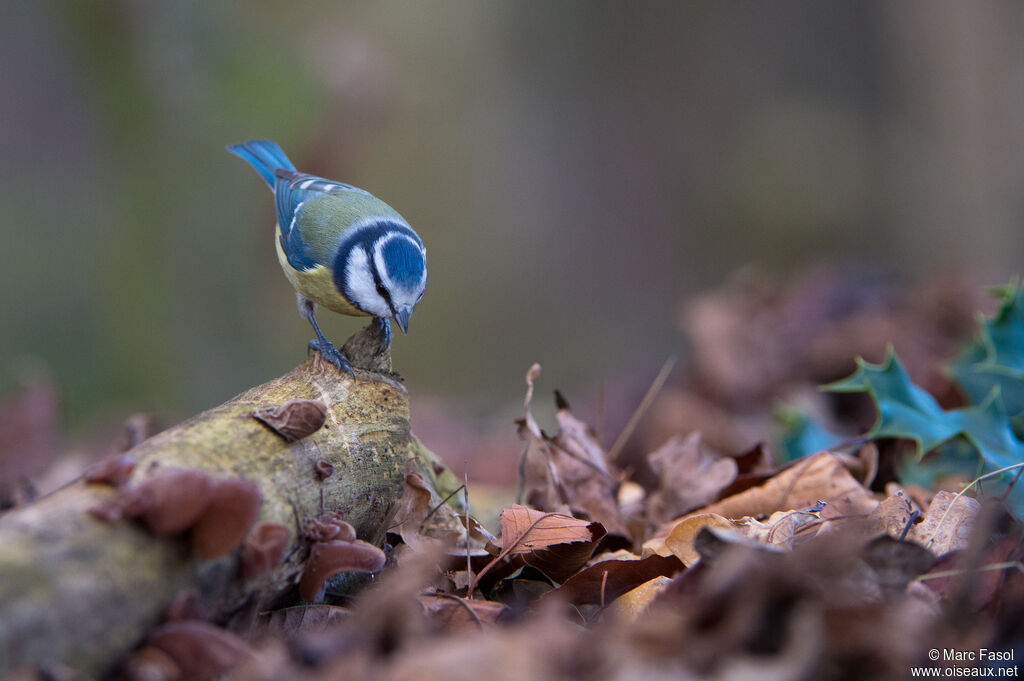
x=80, y=592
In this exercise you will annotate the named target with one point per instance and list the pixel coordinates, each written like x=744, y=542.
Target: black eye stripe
x=381, y=289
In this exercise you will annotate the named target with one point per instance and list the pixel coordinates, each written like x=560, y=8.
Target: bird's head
x=385, y=273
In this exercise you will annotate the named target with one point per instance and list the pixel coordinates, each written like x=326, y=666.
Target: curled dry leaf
x=587, y=483
x=780, y=529
x=329, y=558
x=556, y=544
x=233, y=507
x=711, y=542
x=680, y=541
x=200, y=650
x=689, y=476
x=947, y=523
x=524, y=530
x=603, y=582
x=892, y=514
x=263, y=549
x=777, y=532
x=631, y=605
x=955, y=575
x=896, y=562
x=452, y=613
x=293, y=420
x=426, y=524
x=299, y=619
x=821, y=477
x=570, y=470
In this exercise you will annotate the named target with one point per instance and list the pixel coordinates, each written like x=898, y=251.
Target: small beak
x=402, y=318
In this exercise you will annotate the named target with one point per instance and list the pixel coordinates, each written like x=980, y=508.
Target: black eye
x=382, y=291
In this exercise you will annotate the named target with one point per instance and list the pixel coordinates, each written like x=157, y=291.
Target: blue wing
x=291, y=189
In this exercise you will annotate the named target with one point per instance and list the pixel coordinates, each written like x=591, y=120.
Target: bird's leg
x=383, y=332
x=321, y=344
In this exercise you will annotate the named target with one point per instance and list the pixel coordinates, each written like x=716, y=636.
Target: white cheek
x=400, y=296
x=361, y=286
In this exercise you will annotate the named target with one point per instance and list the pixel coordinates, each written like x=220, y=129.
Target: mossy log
x=80, y=592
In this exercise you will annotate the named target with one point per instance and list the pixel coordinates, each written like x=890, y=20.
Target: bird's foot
x=330, y=353
x=382, y=327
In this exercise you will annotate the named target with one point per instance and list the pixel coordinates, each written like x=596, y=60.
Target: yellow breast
x=316, y=284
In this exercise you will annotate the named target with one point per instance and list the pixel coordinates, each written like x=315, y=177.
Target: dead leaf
x=821, y=477
x=293, y=420
x=451, y=613
x=299, y=619
x=568, y=472
x=631, y=605
x=947, y=523
x=524, y=530
x=587, y=481
x=680, y=540
x=896, y=562
x=556, y=544
x=603, y=582
x=780, y=529
x=689, y=477
x=893, y=514
x=427, y=524
x=952, y=576
x=711, y=542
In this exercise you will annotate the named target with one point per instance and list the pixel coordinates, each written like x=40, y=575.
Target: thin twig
x=469, y=557
x=443, y=502
x=910, y=522
x=641, y=410
x=963, y=571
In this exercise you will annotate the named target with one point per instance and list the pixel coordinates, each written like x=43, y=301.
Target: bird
x=340, y=247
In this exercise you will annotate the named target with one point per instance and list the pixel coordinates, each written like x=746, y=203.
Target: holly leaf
x=801, y=434
x=995, y=358
x=907, y=411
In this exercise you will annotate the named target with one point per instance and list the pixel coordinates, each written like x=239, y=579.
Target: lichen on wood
x=78, y=591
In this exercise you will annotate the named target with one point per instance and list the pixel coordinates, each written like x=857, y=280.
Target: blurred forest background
x=577, y=169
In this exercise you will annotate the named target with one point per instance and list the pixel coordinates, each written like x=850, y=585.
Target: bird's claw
x=384, y=333
x=330, y=353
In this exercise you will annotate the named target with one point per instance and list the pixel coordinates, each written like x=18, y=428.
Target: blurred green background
x=576, y=169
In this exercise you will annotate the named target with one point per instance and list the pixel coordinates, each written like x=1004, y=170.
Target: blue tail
x=264, y=156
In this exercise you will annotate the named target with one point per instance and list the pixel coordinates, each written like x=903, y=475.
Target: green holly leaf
x=957, y=458
x=1003, y=334
x=801, y=434
x=995, y=358
x=904, y=409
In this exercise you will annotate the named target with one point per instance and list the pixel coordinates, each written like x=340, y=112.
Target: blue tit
x=340, y=247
